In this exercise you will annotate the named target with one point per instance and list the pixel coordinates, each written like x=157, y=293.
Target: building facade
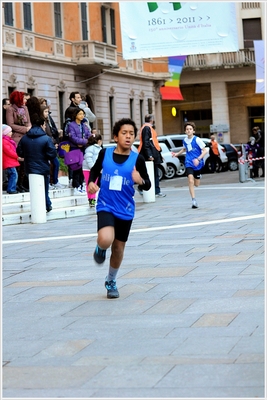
x=51, y=49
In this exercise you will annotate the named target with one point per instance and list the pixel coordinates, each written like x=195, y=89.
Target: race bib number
x=115, y=183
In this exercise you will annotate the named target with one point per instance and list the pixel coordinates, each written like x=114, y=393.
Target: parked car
x=163, y=168
x=232, y=155
x=173, y=164
x=175, y=143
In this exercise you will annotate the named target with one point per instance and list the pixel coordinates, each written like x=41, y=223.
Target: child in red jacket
x=10, y=159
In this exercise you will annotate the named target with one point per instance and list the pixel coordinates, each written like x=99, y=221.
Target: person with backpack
x=78, y=133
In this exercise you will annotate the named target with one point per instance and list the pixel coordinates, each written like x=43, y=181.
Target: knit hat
x=6, y=129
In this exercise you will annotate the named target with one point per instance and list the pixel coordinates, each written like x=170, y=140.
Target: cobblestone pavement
x=189, y=322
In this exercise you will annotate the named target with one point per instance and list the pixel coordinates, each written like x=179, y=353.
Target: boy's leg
x=191, y=184
x=105, y=237
x=117, y=252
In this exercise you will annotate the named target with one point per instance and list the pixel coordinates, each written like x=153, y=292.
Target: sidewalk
x=189, y=322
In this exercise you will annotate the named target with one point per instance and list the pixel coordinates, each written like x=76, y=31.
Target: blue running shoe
x=99, y=255
x=112, y=291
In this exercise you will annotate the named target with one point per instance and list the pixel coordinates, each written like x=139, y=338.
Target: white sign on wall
x=171, y=29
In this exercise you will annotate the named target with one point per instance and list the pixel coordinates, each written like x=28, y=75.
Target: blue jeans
x=156, y=177
x=12, y=177
x=48, y=202
x=55, y=163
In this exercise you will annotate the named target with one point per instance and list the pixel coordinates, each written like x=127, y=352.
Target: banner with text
x=260, y=65
x=171, y=29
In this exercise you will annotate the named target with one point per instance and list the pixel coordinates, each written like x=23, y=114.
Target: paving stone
x=189, y=322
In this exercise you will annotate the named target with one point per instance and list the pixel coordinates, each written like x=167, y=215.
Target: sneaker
x=112, y=291
x=92, y=202
x=194, y=204
x=78, y=192
x=99, y=255
x=59, y=186
x=160, y=195
x=49, y=209
x=51, y=187
x=140, y=192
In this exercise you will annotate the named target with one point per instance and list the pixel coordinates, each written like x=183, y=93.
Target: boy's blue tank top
x=193, y=151
x=116, y=194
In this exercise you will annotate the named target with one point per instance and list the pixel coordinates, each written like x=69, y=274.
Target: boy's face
x=125, y=137
x=189, y=130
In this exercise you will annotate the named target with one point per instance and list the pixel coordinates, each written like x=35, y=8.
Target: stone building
x=50, y=49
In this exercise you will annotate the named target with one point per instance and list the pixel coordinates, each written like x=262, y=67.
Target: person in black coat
x=38, y=150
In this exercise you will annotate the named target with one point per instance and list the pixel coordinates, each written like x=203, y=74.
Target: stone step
x=16, y=208
x=57, y=213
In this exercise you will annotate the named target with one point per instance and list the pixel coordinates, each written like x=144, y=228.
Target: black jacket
x=148, y=149
x=37, y=149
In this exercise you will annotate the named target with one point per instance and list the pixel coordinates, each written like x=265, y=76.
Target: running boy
x=195, y=151
x=120, y=169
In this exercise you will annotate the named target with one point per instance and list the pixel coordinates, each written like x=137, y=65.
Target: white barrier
x=149, y=195
x=37, y=198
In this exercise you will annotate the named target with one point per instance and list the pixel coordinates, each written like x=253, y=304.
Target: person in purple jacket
x=78, y=134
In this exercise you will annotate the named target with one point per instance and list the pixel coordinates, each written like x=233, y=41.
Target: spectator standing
x=78, y=134
x=92, y=149
x=75, y=100
x=10, y=159
x=37, y=149
x=18, y=119
x=6, y=104
x=252, y=149
x=121, y=169
x=53, y=134
x=195, y=151
x=214, y=154
x=259, y=139
x=150, y=149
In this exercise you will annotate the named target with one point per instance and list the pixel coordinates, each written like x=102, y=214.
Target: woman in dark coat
x=38, y=150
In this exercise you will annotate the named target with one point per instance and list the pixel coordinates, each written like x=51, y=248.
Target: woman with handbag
x=78, y=134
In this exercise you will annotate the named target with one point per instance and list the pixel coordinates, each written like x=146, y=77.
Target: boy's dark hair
x=37, y=120
x=93, y=139
x=124, y=121
x=72, y=95
x=191, y=124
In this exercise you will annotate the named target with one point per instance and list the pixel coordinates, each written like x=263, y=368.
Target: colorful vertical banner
x=171, y=90
x=260, y=65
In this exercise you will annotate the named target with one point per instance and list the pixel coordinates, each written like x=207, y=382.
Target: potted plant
x=63, y=168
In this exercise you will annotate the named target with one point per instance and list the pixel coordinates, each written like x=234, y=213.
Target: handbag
x=74, y=159
x=63, y=148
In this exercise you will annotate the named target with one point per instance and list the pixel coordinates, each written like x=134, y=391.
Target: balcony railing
x=92, y=52
x=220, y=60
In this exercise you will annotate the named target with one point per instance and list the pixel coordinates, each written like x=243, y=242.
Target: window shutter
x=112, y=24
x=9, y=14
x=104, y=24
x=251, y=31
x=84, y=21
x=57, y=12
x=27, y=16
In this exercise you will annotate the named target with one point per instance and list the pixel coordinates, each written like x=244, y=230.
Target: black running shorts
x=121, y=227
